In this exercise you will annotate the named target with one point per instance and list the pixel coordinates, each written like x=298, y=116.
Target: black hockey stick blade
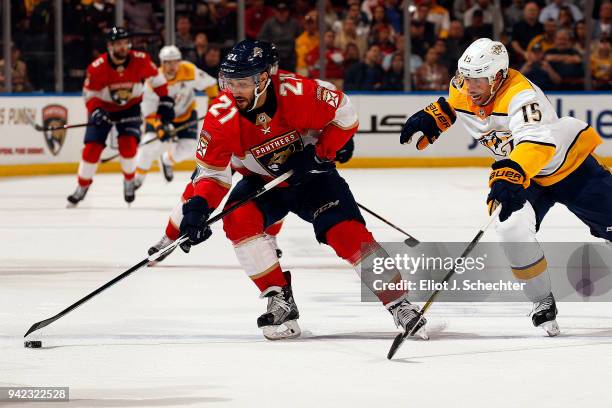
x=162, y=252
x=399, y=339
x=410, y=241
x=46, y=322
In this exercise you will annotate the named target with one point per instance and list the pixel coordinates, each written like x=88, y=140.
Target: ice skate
x=166, y=169
x=405, y=315
x=77, y=196
x=162, y=243
x=280, y=320
x=129, y=189
x=544, y=315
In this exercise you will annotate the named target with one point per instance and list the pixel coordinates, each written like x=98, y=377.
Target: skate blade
x=551, y=328
x=421, y=334
x=71, y=205
x=288, y=330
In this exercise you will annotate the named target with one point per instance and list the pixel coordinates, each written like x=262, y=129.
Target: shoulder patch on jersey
x=186, y=72
x=139, y=54
x=327, y=96
x=97, y=62
x=203, y=142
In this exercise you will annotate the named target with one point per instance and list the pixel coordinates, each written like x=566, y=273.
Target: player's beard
x=243, y=103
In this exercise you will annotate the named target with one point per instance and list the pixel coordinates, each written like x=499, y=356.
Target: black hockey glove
x=195, y=215
x=165, y=109
x=432, y=121
x=346, y=152
x=507, y=182
x=100, y=117
x=305, y=165
x=165, y=131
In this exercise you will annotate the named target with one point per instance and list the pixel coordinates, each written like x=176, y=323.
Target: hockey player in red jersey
x=172, y=231
x=260, y=124
x=113, y=91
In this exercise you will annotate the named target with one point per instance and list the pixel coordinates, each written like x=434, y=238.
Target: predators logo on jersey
x=498, y=141
x=54, y=116
x=273, y=153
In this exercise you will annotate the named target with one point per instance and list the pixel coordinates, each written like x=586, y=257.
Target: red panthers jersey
x=297, y=112
x=118, y=87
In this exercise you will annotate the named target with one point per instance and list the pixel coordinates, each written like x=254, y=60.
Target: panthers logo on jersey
x=121, y=93
x=54, y=116
x=273, y=153
x=498, y=141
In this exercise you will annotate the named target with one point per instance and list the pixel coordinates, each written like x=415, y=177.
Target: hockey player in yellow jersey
x=540, y=160
x=184, y=78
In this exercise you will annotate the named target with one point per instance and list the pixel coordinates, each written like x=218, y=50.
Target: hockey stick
x=410, y=241
x=156, y=255
x=172, y=133
x=78, y=125
x=411, y=331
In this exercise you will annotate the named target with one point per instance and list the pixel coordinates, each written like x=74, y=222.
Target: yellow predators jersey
x=182, y=88
x=521, y=124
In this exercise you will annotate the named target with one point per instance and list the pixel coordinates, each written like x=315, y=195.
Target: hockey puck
x=32, y=344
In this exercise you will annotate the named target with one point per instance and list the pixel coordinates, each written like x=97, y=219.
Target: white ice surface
x=184, y=333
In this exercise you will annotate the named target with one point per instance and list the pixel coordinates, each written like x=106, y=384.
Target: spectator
x=19, y=73
x=367, y=75
x=601, y=65
x=513, y=14
x=282, y=30
x=439, y=17
x=394, y=78
x=384, y=41
x=212, y=61
x=565, y=20
x=547, y=38
x=419, y=42
x=431, y=76
x=460, y=7
x=139, y=17
x=456, y=43
x=360, y=18
x=205, y=20
x=350, y=35
x=580, y=37
x=478, y=29
x=225, y=14
x=200, y=43
x=444, y=57
x=538, y=70
x=306, y=42
x=379, y=22
x=367, y=7
x=352, y=55
x=491, y=15
x=255, y=17
x=394, y=15
x=421, y=16
x=330, y=14
x=566, y=61
x=552, y=11
x=334, y=61
x=525, y=31
x=603, y=26
x=184, y=39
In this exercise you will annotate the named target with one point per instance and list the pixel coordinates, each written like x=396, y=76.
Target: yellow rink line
x=357, y=162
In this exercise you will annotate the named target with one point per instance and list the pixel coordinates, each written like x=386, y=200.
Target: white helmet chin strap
x=258, y=94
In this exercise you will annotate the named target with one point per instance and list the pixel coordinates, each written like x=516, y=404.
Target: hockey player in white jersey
x=541, y=160
x=184, y=79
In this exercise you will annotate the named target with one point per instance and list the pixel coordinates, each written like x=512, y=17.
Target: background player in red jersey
x=262, y=125
x=113, y=91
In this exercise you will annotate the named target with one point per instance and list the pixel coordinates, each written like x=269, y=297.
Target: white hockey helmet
x=170, y=53
x=484, y=58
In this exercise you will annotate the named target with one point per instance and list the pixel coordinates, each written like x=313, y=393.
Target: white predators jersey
x=182, y=88
x=521, y=115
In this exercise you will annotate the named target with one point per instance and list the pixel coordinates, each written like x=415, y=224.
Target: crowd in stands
x=365, y=41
